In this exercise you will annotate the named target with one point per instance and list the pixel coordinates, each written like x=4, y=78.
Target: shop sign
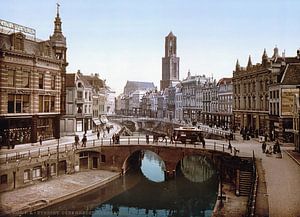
x=17, y=27
x=287, y=101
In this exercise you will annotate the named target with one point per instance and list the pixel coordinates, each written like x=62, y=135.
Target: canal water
x=146, y=192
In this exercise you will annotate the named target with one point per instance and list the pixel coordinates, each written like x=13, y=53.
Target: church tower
x=59, y=45
x=170, y=62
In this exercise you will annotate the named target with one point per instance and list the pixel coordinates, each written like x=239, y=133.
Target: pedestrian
x=203, y=143
x=76, y=141
x=41, y=140
x=118, y=138
x=98, y=134
x=263, y=146
x=84, y=140
x=114, y=138
x=230, y=146
x=147, y=138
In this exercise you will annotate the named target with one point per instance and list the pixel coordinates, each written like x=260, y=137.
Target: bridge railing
x=38, y=152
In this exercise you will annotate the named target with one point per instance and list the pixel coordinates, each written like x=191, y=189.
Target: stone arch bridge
x=120, y=157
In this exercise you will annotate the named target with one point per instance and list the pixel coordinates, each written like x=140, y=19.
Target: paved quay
x=56, y=190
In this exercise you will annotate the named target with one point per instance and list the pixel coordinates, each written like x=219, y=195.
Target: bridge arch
x=134, y=159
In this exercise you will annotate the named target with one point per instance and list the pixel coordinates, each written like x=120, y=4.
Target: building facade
x=170, y=63
x=258, y=99
x=32, y=86
x=224, y=111
x=79, y=111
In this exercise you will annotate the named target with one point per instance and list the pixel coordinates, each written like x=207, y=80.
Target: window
x=53, y=82
x=85, y=95
x=11, y=78
x=40, y=103
x=52, y=108
x=103, y=158
x=3, y=179
x=79, y=94
x=36, y=172
x=53, y=169
x=41, y=81
x=26, y=175
x=90, y=97
x=17, y=103
x=11, y=103
x=25, y=79
x=46, y=103
x=26, y=104
x=79, y=85
x=79, y=109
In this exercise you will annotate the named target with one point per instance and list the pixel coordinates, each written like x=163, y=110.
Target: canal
x=144, y=191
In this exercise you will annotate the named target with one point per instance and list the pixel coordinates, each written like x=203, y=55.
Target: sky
x=124, y=39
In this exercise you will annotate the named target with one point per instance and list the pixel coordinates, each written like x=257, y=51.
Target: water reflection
x=134, y=195
x=197, y=168
x=153, y=167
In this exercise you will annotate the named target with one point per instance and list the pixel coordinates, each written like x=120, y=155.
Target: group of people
x=83, y=140
x=268, y=149
x=116, y=138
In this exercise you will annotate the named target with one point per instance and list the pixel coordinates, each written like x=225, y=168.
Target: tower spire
x=237, y=66
x=57, y=22
x=57, y=9
x=249, y=65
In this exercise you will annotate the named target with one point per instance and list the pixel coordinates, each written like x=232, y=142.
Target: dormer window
x=79, y=85
x=18, y=41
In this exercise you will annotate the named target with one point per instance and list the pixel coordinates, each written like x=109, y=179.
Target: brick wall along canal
x=145, y=192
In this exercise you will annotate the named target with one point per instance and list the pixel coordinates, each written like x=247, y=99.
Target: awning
x=96, y=121
x=103, y=119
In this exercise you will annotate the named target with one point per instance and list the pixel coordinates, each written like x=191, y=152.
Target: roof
x=291, y=74
x=132, y=86
x=225, y=81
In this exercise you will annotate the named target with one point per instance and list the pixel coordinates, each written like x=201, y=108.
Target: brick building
x=262, y=95
x=32, y=85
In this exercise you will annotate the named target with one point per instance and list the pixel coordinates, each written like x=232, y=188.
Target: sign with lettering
x=287, y=101
x=17, y=27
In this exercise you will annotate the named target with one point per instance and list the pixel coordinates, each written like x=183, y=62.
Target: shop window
x=26, y=175
x=3, y=179
x=11, y=103
x=11, y=78
x=41, y=80
x=53, y=169
x=25, y=79
x=52, y=109
x=37, y=172
x=53, y=82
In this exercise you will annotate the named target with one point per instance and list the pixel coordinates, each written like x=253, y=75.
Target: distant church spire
x=237, y=66
x=249, y=65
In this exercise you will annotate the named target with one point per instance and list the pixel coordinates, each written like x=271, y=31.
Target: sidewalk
x=53, y=142
x=40, y=195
